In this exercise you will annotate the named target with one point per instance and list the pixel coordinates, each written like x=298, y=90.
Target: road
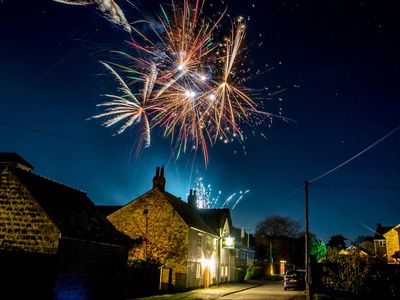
x=268, y=291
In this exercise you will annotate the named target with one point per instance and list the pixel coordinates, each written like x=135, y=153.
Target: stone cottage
x=380, y=241
x=53, y=242
x=186, y=240
x=392, y=238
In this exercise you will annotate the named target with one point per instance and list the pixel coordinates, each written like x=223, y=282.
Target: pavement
x=213, y=292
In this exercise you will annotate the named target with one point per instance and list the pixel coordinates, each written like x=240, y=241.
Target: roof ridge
x=205, y=226
x=49, y=179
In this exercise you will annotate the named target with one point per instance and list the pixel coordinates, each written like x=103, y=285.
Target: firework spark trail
x=203, y=194
x=240, y=198
x=228, y=200
x=110, y=10
x=205, y=198
x=128, y=107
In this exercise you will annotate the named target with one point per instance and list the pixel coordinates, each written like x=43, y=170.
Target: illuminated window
x=382, y=243
x=198, y=270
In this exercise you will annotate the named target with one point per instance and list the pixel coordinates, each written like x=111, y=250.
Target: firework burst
x=192, y=86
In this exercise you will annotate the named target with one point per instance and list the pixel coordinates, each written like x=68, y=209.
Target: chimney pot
x=159, y=180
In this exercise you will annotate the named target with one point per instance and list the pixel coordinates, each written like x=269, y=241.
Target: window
x=224, y=271
x=199, y=242
x=382, y=243
x=198, y=270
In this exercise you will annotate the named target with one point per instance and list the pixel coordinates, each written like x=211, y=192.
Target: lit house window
x=382, y=243
x=198, y=270
x=224, y=271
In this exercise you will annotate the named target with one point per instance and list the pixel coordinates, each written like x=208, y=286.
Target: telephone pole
x=307, y=245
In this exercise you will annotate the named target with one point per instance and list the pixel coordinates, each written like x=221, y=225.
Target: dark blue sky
x=337, y=60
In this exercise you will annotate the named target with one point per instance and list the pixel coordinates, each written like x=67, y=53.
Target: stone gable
x=153, y=219
x=24, y=225
x=392, y=242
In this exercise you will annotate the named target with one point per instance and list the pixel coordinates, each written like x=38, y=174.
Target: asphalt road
x=268, y=291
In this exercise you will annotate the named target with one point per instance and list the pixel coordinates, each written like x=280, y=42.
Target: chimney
x=192, y=198
x=159, y=179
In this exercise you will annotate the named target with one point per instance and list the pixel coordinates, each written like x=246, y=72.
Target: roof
x=106, y=210
x=189, y=214
x=354, y=247
x=215, y=217
x=13, y=159
x=242, y=241
x=71, y=210
x=381, y=230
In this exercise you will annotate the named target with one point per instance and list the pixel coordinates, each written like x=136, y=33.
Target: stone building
x=244, y=248
x=380, y=241
x=392, y=238
x=220, y=221
x=53, y=242
x=186, y=240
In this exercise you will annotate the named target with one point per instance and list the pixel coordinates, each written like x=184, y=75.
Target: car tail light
x=286, y=278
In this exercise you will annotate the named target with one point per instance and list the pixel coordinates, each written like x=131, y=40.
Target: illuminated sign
x=228, y=242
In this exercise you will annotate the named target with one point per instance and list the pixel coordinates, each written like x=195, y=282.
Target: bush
x=239, y=274
x=350, y=276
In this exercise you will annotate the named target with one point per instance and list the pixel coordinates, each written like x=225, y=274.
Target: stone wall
x=164, y=233
x=89, y=270
x=392, y=243
x=24, y=225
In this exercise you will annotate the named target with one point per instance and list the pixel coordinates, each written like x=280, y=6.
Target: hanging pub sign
x=228, y=242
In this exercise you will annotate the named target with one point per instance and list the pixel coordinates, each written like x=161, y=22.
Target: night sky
x=338, y=62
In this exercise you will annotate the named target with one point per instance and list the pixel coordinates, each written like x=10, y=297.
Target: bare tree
x=337, y=241
x=278, y=226
x=275, y=237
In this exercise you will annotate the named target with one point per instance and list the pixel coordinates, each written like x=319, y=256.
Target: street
x=270, y=291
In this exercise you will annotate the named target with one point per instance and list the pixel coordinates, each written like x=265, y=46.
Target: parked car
x=295, y=279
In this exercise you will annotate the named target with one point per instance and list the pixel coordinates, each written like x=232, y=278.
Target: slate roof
x=106, y=210
x=215, y=217
x=189, y=214
x=13, y=159
x=71, y=210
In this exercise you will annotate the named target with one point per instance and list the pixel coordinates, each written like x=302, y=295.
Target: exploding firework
x=183, y=79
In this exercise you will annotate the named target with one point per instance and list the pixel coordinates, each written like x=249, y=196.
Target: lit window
x=382, y=243
x=198, y=270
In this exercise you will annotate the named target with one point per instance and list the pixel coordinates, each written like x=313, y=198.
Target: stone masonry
x=24, y=225
x=392, y=242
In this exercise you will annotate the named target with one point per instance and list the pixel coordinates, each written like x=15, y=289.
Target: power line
x=57, y=135
x=343, y=212
x=358, y=154
x=363, y=186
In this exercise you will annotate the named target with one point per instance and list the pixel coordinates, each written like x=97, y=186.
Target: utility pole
x=307, y=245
